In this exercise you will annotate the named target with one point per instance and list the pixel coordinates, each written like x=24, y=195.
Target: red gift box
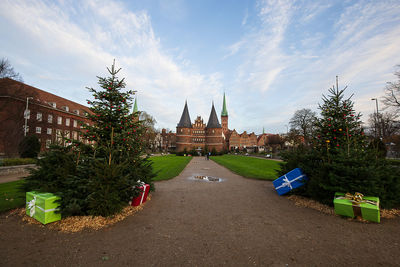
x=144, y=191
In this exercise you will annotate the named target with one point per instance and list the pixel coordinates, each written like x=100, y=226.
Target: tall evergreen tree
x=339, y=128
x=340, y=160
x=101, y=177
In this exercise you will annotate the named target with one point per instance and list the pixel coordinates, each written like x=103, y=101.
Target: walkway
x=236, y=222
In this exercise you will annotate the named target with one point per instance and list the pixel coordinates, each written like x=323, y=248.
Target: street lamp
x=26, y=114
x=377, y=117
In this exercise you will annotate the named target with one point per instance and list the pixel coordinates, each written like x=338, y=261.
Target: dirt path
x=197, y=223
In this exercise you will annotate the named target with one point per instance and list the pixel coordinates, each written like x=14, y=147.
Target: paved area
x=188, y=222
x=12, y=177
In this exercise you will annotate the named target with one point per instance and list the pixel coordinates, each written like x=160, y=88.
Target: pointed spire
x=135, y=109
x=224, y=111
x=185, y=118
x=213, y=120
x=263, y=130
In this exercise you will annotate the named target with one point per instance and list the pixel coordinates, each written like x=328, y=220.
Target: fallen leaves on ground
x=78, y=223
x=309, y=203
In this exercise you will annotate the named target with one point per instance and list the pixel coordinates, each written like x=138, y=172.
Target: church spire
x=185, y=118
x=224, y=111
x=135, y=108
x=213, y=120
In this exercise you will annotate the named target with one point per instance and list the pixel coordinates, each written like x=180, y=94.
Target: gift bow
x=357, y=198
x=286, y=181
x=31, y=206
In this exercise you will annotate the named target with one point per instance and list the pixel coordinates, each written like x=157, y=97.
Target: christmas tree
x=340, y=159
x=339, y=128
x=100, y=173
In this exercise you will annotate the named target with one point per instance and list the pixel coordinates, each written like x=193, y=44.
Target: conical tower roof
x=185, y=118
x=224, y=110
x=213, y=120
x=135, y=109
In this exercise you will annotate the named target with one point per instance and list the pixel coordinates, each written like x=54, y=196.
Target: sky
x=270, y=57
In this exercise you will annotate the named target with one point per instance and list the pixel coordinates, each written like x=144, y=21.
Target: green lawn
x=249, y=167
x=167, y=167
x=10, y=197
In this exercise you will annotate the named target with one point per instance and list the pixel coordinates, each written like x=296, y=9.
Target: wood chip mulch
x=312, y=204
x=75, y=224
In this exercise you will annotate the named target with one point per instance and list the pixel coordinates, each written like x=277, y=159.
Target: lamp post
x=377, y=117
x=26, y=114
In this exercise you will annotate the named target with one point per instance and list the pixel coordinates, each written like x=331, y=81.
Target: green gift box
x=42, y=207
x=368, y=207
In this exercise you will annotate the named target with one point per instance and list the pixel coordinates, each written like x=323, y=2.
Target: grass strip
x=10, y=196
x=249, y=167
x=170, y=166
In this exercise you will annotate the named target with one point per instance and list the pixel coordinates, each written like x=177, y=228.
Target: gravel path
x=236, y=222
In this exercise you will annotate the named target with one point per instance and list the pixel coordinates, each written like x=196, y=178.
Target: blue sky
x=271, y=58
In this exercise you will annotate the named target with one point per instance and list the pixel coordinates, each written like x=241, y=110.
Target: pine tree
x=114, y=128
x=339, y=129
x=101, y=177
x=340, y=160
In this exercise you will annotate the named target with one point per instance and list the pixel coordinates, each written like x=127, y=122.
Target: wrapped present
x=42, y=207
x=357, y=205
x=291, y=180
x=144, y=191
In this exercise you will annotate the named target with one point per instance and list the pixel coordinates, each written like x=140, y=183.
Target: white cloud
x=362, y=47
x=88, y=38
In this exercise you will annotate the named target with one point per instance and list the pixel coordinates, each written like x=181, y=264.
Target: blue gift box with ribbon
x=291, y=180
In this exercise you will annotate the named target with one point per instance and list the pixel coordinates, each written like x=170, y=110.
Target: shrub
x=17, y=161
x=29, y=147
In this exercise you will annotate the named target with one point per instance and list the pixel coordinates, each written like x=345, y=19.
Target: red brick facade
x=198, y=135
x=50, y=116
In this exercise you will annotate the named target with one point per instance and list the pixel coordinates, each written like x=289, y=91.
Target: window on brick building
x=74, y=135
x=76, y=112
x=58, y=135
x=75, y=123
x=49, y=130
x=38, y=130
x=53, y=104
x=59, y=120
x=50, y=118
x=67, y=121
x=48, y=143
x=39, y=116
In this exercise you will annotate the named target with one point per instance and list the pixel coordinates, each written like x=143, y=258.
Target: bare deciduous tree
x=7, y=71
x=391, y=99
x=302, y=122
x=384, y=125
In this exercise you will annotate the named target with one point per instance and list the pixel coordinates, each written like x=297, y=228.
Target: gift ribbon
x=144, y=190
x=286, y=182
x=357, y=199
x=31, y=206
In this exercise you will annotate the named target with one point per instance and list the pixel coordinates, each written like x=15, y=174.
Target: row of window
x=39, y=117
x=59, y=133
x=198, y=132
x=198, y=139
x=66, y=108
